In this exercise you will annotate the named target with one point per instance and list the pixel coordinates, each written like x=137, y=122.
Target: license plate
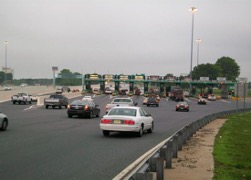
x=117, y=121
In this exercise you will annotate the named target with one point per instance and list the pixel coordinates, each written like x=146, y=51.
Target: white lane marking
x=225, y=101
x=29, y=107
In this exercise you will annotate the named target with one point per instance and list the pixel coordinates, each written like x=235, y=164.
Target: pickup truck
x=56, y=100
x=120, y=102
x=21, y=98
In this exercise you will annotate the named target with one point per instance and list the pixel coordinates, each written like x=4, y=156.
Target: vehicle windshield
x=123, y=112
x=182, y=103
x=122, y=100
x=55, y=96
x=79, y=102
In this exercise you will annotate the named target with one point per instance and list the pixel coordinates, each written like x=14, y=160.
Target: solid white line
x=29, y=107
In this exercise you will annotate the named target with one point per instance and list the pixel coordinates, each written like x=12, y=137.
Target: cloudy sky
x=122, y=36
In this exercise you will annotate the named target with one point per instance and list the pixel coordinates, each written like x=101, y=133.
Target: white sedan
x=127, y=119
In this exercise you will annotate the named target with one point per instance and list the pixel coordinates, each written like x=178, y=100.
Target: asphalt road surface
x=45, y=144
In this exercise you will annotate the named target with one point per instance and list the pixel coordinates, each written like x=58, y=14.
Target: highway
x=45, y=144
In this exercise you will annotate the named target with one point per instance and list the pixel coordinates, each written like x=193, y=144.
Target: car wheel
x=4, y=125
x=106, y=133
x=30, y=102
x=90, y=115
x=187, y=110
x=151, y=129
x=14, y=102
x=59, y=107
x=69, y=116
x=147, y=105
x=140, y=133
x=98, y=115
x=65, y=106
x=46, y=106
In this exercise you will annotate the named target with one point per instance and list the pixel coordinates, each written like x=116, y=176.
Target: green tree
x=229, y=68
x=206, y=70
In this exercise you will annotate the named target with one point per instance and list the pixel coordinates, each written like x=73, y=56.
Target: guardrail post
x=169, y=154
x=143, y=176
x=157, y=165
x=160, y=168
x=180, y=140
x=175, y=146
x=184, y=135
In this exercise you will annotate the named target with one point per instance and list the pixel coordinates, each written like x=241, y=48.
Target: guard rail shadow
x=160, y=157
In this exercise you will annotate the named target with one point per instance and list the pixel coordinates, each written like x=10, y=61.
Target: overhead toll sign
x=153, y=77
x=108, y=77
x=139, y=77
x=204, y=78
x=123, y=77
x=93, y=76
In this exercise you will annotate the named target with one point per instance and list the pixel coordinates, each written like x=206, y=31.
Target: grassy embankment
x=232, y=149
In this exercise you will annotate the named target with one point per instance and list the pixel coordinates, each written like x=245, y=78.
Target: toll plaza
x=163, y=83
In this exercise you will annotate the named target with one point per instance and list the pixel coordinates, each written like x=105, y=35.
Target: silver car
x=127, y=119
x=3, y=122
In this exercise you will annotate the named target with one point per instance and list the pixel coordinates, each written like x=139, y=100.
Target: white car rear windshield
x=123, y=112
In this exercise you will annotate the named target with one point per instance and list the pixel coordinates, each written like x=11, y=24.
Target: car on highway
x=120, y=102
x=202, y=101
x=211, y=97
x=127, y=119
x=7, y=88
x=182, y=106
x=87, y=97
x=80, y=108
x=109, y=90
x=152, y=101
x=56, y=100
x=3, y=122
x=145, y=101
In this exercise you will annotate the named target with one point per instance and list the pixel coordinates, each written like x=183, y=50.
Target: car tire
x=30, y=102
x=140, y=133
x=46, y=106
x=59, y=107
x=69, y=116
x=14, y=102
x=98, y=115
x=106, y=133
x=4, y=125
x=151, y=129
x=90, y=115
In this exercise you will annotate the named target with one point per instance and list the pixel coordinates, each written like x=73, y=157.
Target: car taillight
x=129, y=122
x=68, y=106
x=86, y=107
x=106, y=121
x=186, y=106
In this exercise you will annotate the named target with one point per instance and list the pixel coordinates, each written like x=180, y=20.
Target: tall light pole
x=5, y=77
x=198, y=41
x=193, y=10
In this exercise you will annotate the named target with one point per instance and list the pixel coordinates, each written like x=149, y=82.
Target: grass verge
x=232, y=149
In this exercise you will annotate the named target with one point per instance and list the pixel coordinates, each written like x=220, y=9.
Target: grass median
x=232, y=149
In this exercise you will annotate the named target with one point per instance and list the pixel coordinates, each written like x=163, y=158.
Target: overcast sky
x=122, y=36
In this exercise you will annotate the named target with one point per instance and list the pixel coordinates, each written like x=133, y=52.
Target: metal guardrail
x=162, y=154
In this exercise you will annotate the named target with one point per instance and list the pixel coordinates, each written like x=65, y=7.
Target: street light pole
x=5, y=77
x=193, y=10
x=198, y=49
